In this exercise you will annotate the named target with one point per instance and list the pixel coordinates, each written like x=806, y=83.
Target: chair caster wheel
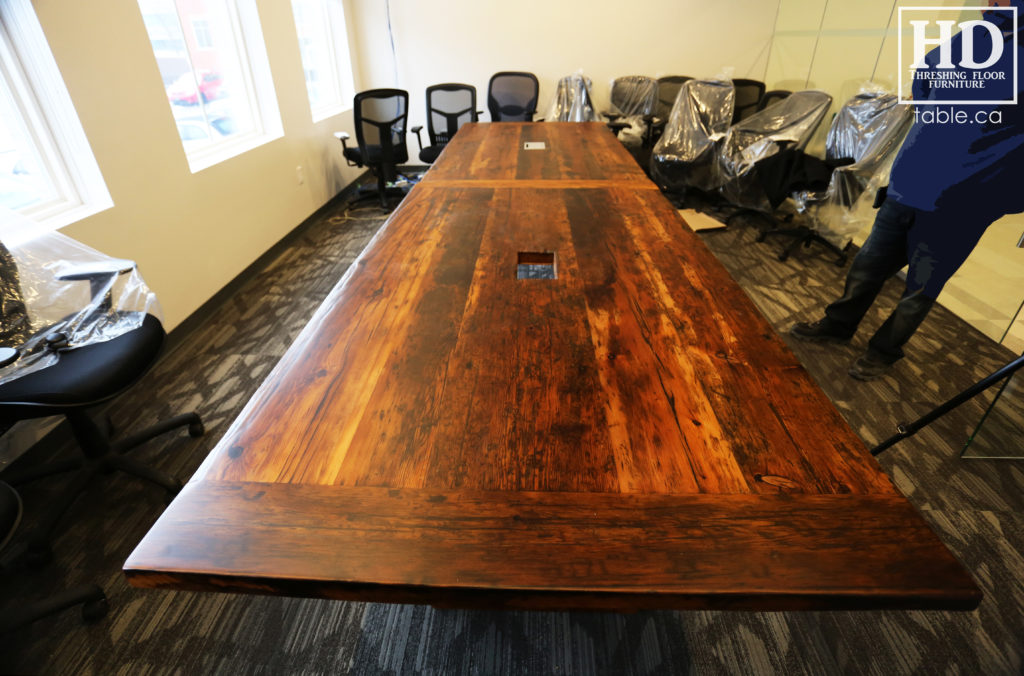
x=95, y=610
x=784, y=256
x=761, y=236
x=196, y=429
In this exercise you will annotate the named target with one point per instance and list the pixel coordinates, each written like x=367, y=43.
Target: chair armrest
x=611, y=116
x=98, y=270
x=616, y=127
x=416, y=130
x=8, y=355
x=343, y=136
x=98, y=275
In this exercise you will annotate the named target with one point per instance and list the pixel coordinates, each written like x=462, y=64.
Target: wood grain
x=678, y=452
x=538, y=549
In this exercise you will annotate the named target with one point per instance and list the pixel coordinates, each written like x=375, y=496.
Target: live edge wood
x=631, y=434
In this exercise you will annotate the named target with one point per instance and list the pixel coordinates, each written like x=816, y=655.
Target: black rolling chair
x=684, y=160
x=80, y=377
x=760, y=159
x=572, y=101
x=774, y=96
x=512, y=96
x=380, y=119
x=862, y=140
x=748, y=98
x=90, y=597
x=633, y=98
x=449, y=106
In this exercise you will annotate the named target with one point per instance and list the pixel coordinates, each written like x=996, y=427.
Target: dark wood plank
x=574, y=152
x=543, y=549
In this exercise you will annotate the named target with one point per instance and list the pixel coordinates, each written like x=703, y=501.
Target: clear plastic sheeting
x=51, y=285
x=572, y=102
x=861, y=146
x=686, y=154
x=783, y=126
x=633, y=98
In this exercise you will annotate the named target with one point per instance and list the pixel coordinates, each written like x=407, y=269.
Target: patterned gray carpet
x=976, y=506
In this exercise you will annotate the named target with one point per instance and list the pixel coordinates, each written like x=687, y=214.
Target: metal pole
x=910, y=429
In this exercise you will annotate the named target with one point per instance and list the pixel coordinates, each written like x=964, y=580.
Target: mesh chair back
x=512, y=96
x=668, y=91
x=380, y=121
x=774, y=96
x=634, y=95
x=748, y=98
x=449, y=106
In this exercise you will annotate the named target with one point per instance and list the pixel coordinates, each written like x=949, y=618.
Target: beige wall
x=470, y=40
x=190, y=233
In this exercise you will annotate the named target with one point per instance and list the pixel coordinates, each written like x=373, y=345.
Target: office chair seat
x=430, y=153
x=87, y=374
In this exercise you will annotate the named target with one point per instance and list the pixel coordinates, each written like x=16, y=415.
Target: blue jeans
x=933, y=244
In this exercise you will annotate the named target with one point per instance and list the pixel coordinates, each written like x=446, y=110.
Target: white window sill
x=208, y=157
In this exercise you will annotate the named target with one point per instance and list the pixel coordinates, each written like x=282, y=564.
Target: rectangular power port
x=534, y=145
x=536, y=265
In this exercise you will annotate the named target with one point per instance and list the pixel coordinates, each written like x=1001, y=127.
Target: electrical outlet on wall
x=299, y=176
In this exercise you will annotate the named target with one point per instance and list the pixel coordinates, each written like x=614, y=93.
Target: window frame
x=49, y=121
x=256, y=81
x=336, y=25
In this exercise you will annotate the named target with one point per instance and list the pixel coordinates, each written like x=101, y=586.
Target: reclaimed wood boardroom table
x=624, y=432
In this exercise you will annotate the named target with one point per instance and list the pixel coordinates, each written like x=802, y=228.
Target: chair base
x=380, y=191
x=99, y=454
x=804, y=236
x=90, y=597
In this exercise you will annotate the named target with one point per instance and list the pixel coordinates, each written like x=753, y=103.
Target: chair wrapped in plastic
x=860, y=149
x=57, y=294
x=572, y=101
x=78, y=329
x=755, y=161
x=687, y=152
x=632, y=108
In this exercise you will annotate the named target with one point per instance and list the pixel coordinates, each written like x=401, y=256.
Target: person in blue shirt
x=959, y=170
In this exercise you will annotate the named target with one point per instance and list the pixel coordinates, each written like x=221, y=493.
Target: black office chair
x=572, y=101
x=449, y=106
x=774, y=96
x=685, y=157
x=758, y=155
x=668, y=92
x=748, y=98
x=633, y=99
x=80, y=377
x=90, y=597
x=864, y=135
x=380, y=117
x=512, y=96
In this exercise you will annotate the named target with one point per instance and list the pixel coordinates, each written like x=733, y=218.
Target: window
x=201, y=29
x=47, y=170
x=216, y=75
x=323, y=42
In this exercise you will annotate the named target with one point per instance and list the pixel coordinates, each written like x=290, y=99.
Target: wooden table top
x=631, y=434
